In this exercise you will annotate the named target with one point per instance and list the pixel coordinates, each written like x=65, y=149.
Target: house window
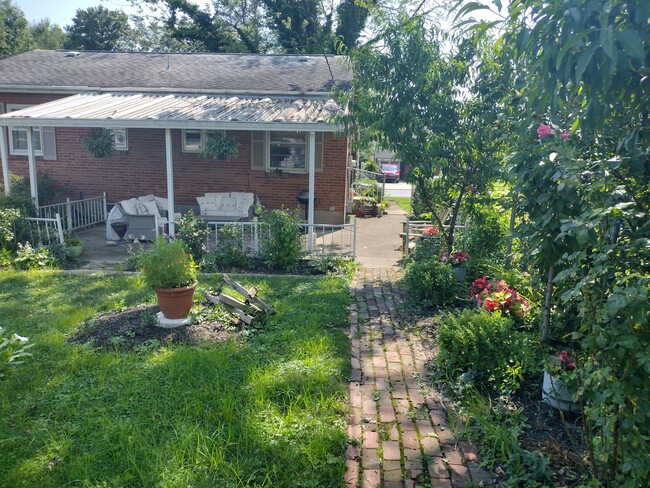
x=287, y=151
x=18, y=136
x=192, y=140
x=121, y=139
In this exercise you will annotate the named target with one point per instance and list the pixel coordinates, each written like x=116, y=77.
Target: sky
x=61, y=12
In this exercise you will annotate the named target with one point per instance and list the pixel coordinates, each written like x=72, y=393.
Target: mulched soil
x=134, y=327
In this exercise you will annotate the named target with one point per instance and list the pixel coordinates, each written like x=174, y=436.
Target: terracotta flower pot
x=176, y=303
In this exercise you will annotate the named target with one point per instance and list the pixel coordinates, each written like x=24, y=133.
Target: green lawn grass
x=268, y=412
x=403, y=202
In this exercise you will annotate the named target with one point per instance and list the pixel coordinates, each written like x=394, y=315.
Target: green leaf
x=631, y=43
x=572, y=42
x=607, y=42
x=583, y=61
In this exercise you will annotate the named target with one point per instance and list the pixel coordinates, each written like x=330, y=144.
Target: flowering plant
x=497, y=296
x=544, y=131
x=457, y=258
x=561, y=362
x=430, y=230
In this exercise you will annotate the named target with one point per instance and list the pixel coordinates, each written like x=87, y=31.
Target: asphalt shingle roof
x=217, y=73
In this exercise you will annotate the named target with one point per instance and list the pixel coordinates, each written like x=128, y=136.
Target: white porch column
x=33, y=185
x=4, y=154
x=170, y=181
x=312, y=171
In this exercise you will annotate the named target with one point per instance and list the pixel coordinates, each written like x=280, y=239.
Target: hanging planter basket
x=219, y=147
x=100, y=143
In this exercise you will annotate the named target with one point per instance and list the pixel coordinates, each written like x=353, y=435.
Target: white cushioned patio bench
x=228, y=206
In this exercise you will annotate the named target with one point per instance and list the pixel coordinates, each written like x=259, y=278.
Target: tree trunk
x=452, y=222
x=513, y=216
x=546, y=323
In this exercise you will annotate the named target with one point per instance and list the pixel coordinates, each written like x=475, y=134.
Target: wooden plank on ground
x=247, y=296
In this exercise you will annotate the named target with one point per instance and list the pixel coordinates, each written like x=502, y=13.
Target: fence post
x=407, y=238
x=68, y=213
x=59, y=229
x=256, y=237
x=354, y=238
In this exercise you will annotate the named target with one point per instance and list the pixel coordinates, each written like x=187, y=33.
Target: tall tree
x=435, y=108
x=14, y=30
x=97, y=29
x=305, y=26
x=47, y=35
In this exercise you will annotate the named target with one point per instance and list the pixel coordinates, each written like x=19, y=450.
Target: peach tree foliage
x=440, y=111
x=583, y=65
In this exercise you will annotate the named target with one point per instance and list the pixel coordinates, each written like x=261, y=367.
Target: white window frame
x=269, y=143
x=202, y=138
x=121, y=145
x=12, y=107
x=192, y=148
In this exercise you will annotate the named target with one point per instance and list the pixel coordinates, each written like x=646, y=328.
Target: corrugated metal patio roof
x=138, y=110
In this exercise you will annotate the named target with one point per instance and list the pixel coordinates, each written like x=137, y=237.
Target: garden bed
x=135, y=328
x=557, y=436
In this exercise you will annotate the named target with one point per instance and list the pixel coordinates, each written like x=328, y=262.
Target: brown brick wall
x=141, y=169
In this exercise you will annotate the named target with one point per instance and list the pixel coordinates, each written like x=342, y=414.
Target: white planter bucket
x=459, y=272
x=555, y=394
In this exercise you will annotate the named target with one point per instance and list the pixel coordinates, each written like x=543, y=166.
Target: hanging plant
x=100, y=143
x=218, y=146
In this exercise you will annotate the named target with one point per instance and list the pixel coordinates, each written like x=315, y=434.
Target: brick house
x=161, y=109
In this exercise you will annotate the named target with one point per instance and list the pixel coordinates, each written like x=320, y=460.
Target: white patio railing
x=414, y=229
x=327, y=239
x=45, y=230
x=77, y=214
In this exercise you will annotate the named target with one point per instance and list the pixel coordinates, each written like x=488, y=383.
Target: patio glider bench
x=228, y=206
x=139, y=218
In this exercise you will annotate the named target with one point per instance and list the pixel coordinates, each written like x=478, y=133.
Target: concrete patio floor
x=377, y=246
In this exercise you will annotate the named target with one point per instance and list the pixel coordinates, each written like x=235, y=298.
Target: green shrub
x=229, y=253
x=193, y=232
x=333, y=265
x=431, y=281
x=427, y=248
x=485, y=350
x=48, y=188
x=371, y=166
x=28, y=257
x=24, y=203
x=282, y=249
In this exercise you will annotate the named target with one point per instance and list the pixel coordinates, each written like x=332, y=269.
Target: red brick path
x=401, y=437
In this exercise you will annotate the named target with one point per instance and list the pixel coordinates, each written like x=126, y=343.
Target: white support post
x=32, y=165
x=312, y=171
x=4, y=154
x=170, y=181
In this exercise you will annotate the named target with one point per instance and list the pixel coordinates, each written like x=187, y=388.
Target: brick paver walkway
x=402, y=438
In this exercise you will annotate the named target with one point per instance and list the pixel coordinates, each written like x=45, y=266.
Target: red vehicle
x=391, y=171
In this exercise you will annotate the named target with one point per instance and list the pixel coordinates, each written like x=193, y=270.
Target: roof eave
x=43, y=89
x=165, y=124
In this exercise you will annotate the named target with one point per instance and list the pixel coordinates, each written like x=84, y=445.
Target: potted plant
x=554, y=391
x=457, y=261
x=220, y=147
x=100, y=143
x=171, y=271
x=74, y=245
